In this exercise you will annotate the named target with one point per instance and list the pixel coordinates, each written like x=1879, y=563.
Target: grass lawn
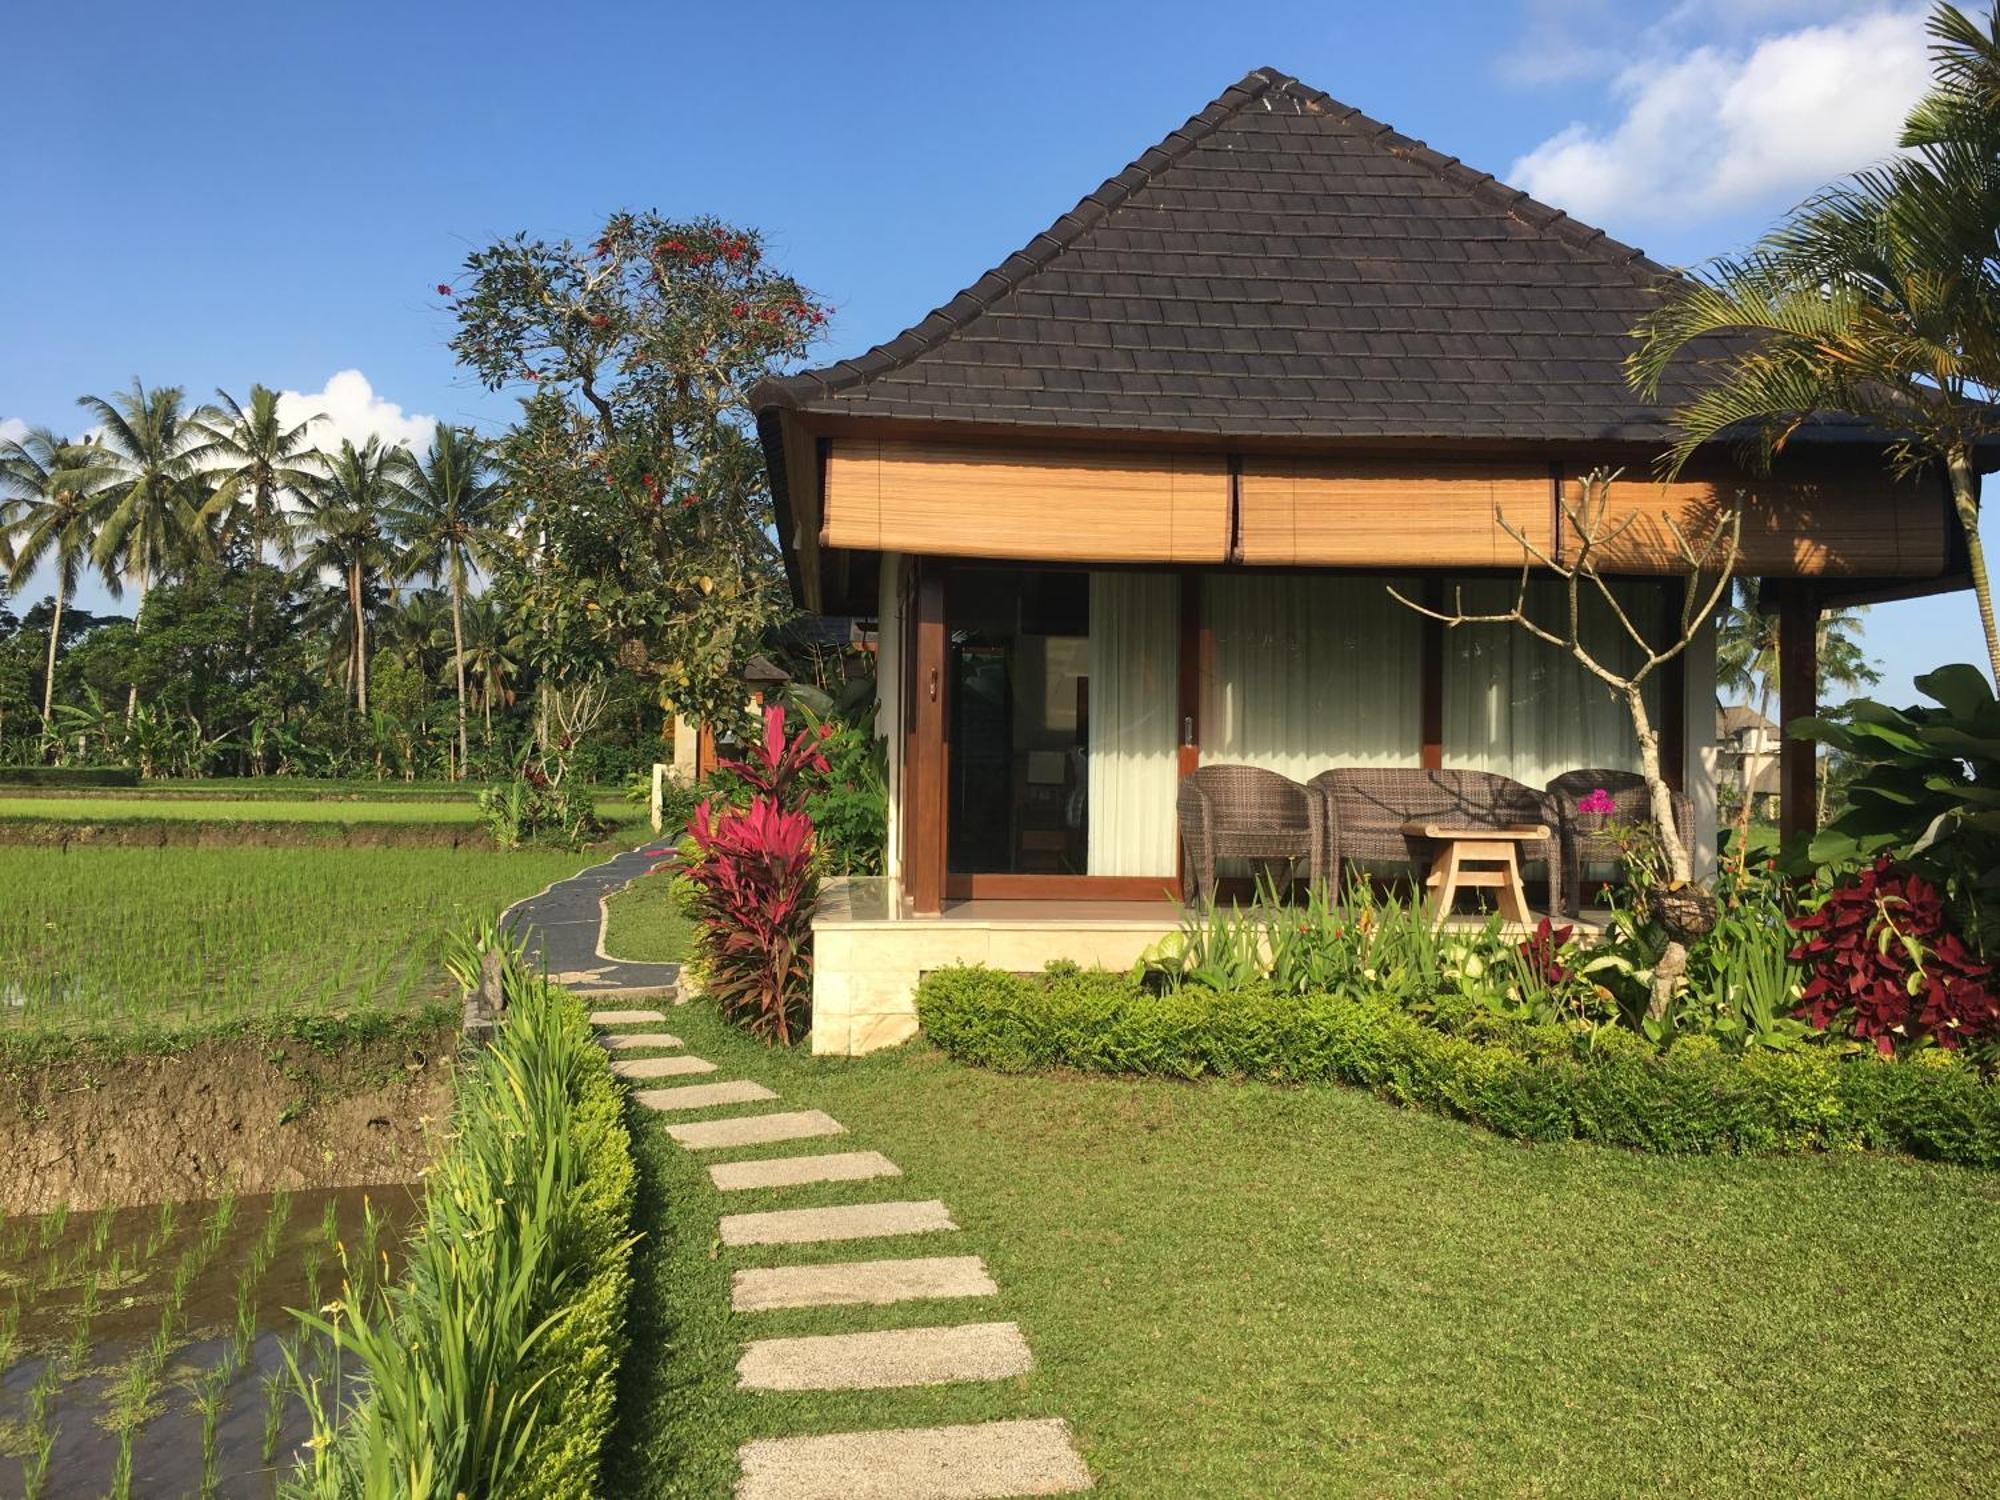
x=644, y=924
x=109, y=938
x=1244, y=1290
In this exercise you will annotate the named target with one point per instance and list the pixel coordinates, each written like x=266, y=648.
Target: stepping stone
x=630, y=1039
x=852, y=1221
x=790, y=1171
x=624, y=1017
x=861, y=1282
x=704, y=1096
x=880, y=1361
x=660, y=1067
x=746, y=1130
x=977, y=1461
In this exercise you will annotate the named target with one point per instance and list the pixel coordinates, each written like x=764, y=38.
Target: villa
x=1131, y=505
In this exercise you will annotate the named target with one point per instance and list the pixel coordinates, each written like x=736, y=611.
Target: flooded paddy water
x=149, y=1351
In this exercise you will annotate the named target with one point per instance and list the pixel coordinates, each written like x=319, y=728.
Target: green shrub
x=67, y=776
x=1533, y=1082
x=489, y=1367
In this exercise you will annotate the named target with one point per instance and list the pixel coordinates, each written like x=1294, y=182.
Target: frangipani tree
x=1707, y=562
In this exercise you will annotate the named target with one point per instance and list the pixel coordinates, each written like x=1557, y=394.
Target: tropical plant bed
x=1242, y=1289
x=148, y=1350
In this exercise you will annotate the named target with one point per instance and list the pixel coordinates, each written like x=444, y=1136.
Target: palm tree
x=1879, y=297
x=55, y=502
x=447, y=518
x=339, y=530
x=258, y=460
x=491, y=655
x=152, y=521
x=1747, y=656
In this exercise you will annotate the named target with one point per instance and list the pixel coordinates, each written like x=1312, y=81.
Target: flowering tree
x=646, y=521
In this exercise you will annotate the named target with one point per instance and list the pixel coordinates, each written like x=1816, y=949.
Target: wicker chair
x=1244, y=812
x=1363, y=810
x=1584, y=840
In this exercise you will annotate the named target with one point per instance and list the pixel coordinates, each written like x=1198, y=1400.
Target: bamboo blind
x=1054, y=505
x=1391, y=512
x=1863, y=524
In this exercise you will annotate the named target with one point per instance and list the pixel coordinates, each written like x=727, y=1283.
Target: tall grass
x=488, y=1367
x=106, y=938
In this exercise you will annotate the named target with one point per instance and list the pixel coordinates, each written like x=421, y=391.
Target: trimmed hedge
x=69, y=776
x=490, y=1367
x=1537, y=1084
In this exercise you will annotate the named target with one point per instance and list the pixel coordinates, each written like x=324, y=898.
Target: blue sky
x=271, y=193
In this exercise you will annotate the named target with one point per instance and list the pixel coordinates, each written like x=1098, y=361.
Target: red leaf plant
x=1542, y=953
x=1879, y=950
x=756, y=886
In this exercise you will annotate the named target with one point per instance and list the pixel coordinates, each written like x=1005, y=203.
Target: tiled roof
x=1281, y=266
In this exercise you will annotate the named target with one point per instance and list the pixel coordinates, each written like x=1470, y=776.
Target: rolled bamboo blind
x=1056, y=505
x=1391, y=512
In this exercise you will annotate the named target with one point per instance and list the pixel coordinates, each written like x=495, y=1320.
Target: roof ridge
x=946, y=319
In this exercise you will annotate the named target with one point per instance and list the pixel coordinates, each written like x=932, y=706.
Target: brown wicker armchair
x=1244, y=812
x=1363, y=810
x=1583, y=837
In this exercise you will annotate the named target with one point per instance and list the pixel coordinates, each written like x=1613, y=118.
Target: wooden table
x=1474, y=858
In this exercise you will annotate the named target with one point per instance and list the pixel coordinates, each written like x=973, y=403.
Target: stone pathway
x=976, y=1461
x=563, y=931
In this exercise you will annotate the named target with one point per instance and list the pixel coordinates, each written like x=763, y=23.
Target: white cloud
x=12, y=429
x=1713, y=129
x=353, y=411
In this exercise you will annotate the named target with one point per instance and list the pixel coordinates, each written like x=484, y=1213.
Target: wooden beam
x=925, y=769
x=1798, y=698
x=1430, y=678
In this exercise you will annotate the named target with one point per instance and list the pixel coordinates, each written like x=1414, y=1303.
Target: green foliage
x=532, y=810
x=489, y=1368
x=1539, y=1083
x=849, y=802
x=646, y=511
x=69, y=776
x=1926, y=791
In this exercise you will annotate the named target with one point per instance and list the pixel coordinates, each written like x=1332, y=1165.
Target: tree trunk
x=458, y=663
x=1680, y=869
x=360, y=641
x=55, y=634
x=138, y=620
x=1965, y=500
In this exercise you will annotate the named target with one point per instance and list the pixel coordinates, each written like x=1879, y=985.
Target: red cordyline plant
x=1879, y=950
x=756, y=886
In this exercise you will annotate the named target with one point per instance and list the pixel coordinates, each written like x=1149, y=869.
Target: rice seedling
x=54, y=1223
x=104, y=938
x=10, y=1333
x=274, y=1383
x=211, y=1398
x=40, y=1434
x=121, y=1473
x=329, y=1222
x=100, y=1230
x=76, y=1356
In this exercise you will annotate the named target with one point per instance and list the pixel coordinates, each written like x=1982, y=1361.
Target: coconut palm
x=152, y=522
x=338, y=530
x=447, y=517
x=1879, y=297
x=492, y=655
x=1747, y=656
x=257, y=460
x=54, y=502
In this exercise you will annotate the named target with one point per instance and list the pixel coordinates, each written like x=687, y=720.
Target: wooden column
x=1430, y=678
x=924, y=768
x=1798, y=698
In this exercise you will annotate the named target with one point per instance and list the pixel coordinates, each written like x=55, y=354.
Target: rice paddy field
x=177, y=806
x=149, y=1351
x=104, y=938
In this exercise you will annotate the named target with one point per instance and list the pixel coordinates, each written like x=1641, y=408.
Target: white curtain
x=1134, y=696
x=1528, y=710
x=1311, y=672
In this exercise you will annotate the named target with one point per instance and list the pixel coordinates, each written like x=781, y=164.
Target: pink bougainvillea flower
x=1597, y=801
x=444, y=289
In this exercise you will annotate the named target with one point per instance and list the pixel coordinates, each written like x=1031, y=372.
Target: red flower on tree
x=444, y=289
